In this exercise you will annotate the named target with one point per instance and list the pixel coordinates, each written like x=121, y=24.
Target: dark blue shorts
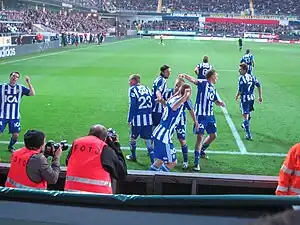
x=144, y=132
x=206, y=123
x=247, y=107
x=181, y=131
x=156, y=118
x=14, y=125
x=164, y=152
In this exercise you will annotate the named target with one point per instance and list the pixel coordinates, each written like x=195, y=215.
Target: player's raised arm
x=184, y=97
x=31, y=89
x=189, y=78
x=196, y=70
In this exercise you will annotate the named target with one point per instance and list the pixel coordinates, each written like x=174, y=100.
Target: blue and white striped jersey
x=246, y=86
x=10, y=100
x=140, y=106
x=248, y=59
x=202, y=70
x=206, y=96
x=160, y=84
x=170, y=119
x=187, y=105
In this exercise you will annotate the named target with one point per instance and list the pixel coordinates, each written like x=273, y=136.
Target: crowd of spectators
x=281, y=7
x=237, y=29
x=56, y=21
x=171, y=25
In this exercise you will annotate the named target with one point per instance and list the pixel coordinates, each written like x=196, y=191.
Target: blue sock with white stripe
x=247, y=127
x=12, y=142
x=150, y=150
x=164, y=168
x=133, y=149
x=197, y=158
x=185, y=151
x=153, y=168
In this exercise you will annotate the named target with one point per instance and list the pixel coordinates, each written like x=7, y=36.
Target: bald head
x=98, y=131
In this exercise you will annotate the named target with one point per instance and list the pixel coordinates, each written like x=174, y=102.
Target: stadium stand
x=286, y=7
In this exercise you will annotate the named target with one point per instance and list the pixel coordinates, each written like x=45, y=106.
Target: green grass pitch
x=76, y=89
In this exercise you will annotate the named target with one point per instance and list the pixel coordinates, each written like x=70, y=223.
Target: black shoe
x=249, y=138
x=11, y=149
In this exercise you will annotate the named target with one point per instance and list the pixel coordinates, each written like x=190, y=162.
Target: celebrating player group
x=156, y=115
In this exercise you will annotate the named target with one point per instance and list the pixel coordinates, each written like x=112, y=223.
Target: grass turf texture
x=76, y=89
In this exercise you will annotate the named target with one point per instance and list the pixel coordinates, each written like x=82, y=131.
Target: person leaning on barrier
x=29, y=167
x=289, y=175
x=93, y=161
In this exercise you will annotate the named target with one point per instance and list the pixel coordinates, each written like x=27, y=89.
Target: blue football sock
x=150, y=150
x=12, y=142
x=185, y=152
x=204, y=147
x=153, y=168
x=164, y=168
x=197, y=157
x=133, y=149
x=247, y=127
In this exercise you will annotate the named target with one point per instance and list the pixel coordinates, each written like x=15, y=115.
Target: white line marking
x=191, y=151
x=233, y=129
x=61, y=52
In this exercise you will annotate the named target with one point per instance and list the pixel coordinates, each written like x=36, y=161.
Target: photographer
x=29, y=167
x=93, y=162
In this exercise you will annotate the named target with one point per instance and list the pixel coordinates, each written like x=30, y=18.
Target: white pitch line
x=191, y=151
x=61, y=52
x=233, y=129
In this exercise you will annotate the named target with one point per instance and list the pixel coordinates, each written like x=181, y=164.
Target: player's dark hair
x=244, y=66
x=12, y=73
x=183, y=87
x=34, y=139
x=164, y=68
x=247, y=51
x=205, y=59
x=289, y=217
x=210, y=73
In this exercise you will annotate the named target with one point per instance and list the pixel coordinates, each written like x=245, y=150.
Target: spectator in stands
x=29, y=167
x=285, y=218
x=289, y=175
x=93, y=161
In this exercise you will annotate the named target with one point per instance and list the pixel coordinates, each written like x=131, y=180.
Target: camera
x=53, y=145
x=112, y=134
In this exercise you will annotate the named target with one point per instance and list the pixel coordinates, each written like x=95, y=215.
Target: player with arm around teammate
x=206, y=98
x=181, y=127
x=245, y=93
x=139, y=115
x=159, y=87
x=164, y=152
x=248, y=58
x=10, y=99
x=202, y=68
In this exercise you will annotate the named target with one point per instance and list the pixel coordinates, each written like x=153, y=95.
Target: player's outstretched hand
x=260, y=100
x=181, y=76
x=197, y=126
x=187, y=93
x=27, y=79
x=129, y=124
x=237, y=98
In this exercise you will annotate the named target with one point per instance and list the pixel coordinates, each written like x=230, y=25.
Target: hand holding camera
x=55, y=149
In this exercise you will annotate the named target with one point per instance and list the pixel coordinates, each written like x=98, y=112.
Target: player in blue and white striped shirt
x=248, y=58
x=159, y=87
x=164, y=151
x=201, y=69
x=206, y=97
x=139, y=115
x=10, y=99
x=181, y=127
x=246, y=85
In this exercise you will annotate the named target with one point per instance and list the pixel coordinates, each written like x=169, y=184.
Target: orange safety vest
x=85, y=172
x=289, y=175
x=17, y=176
